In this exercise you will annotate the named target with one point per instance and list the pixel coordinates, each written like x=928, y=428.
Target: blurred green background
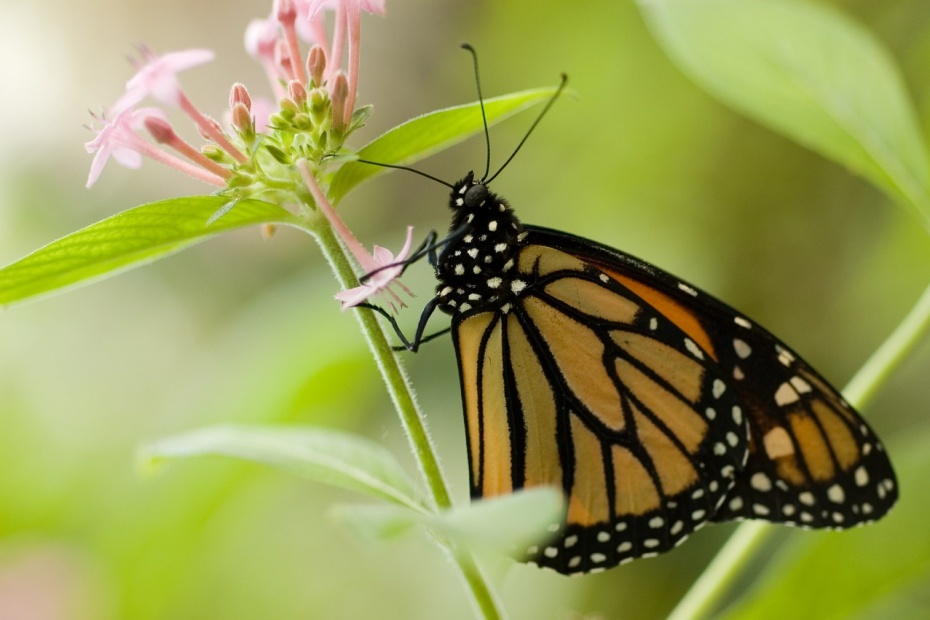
x=245, y=330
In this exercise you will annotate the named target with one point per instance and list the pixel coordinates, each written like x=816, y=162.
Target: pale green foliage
x=805, y=70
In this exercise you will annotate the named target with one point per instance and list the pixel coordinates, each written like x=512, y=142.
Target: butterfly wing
x=580, y=384
x=813, y=461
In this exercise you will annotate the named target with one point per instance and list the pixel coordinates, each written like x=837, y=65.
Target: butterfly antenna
x=532, y=127
x=484, y=117
x=407, y=168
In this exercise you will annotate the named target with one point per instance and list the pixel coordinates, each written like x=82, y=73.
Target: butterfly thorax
x=476, y=268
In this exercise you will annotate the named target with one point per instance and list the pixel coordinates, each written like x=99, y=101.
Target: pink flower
x=387, y=268
x=261, y=36
x=348, y=24
x=311, y=29
x=383, y=278
x=370, y=6
x=158, y=77
x=118, y=139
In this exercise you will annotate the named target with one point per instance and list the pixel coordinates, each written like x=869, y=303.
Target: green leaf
x=837, y=574
x=334, y=458
x=425, y=135
x=809, y=72
x=128, y=239
x=508, y=524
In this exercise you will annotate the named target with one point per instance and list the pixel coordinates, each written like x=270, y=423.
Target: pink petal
x=382, y=255
x=373, y=6
x=315, y=6
x=96, y=167
x=381, y=281
x=260, y=38
x=158, y=78
x=127, y=157
x=354, y=296
x=118, y=139
x=408, y=243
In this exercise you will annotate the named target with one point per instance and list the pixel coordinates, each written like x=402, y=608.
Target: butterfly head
x=469, y=195
x=474, y=205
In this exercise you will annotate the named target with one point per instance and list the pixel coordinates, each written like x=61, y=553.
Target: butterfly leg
x=418, y=338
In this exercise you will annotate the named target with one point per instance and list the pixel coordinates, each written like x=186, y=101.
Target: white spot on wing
x=800, y=385
x=760, y=482
x=694, y=349
x=742, y=349
x=785, y=395
x=862, y=476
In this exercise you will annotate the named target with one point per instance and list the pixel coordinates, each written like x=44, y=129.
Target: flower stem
x=412, y=419
x=398, y=383
x=709, y=589
x=889, y=355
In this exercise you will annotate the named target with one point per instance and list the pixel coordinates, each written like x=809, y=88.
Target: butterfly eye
x=476, y=195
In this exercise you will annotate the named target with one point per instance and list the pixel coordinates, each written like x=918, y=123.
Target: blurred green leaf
x=334, y=458
x=379, y=522
x=508, y=524
x=840, y=574
x=129, y=239
x=430, y=133
x=807, y=71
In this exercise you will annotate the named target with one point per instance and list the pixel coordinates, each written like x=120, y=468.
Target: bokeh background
x=241, y=329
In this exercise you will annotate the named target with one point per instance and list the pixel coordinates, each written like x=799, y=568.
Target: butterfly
x=653, y=406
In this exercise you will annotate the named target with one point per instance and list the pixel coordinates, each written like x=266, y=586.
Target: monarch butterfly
x=655, y=408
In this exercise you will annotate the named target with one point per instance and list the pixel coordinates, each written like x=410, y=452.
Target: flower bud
x=242, y=120
x=288, y=108
x=160, y=130
x=338, y=95
x=296, y=92
x=282, y=58
x=215, y=153
x=285, y=11
x=318, y=104
x=316, y=65
x=239, y=94
x=216, y=128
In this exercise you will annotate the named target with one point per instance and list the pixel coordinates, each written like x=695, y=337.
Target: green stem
x=706, y=593
x=412, y=419
x=394, y=376
x=710, y=588
x=872, y=375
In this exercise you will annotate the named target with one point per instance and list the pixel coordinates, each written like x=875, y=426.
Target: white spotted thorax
x=476, y=268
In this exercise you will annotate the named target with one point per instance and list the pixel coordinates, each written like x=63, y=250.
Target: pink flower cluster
x=316, y=110
x=275, y=42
